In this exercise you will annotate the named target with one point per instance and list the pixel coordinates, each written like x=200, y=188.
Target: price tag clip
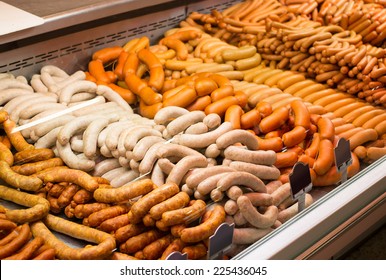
x=220, y=241
x=300, y=181
x=343, y=157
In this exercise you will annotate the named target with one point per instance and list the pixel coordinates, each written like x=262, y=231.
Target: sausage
x=295, y=136
x=208, y=184
x=325, y=158
x=202, y=140
x=138, y=134
x=156, y=70
x=143, y=145
x=183, y=122
x=301, y=114
x=175, y=246
x=16, y=138
x=241, y=178
x=259, y=199
x=249, y=235
x=28, y=250
x=16, y=180
x=326, y=129
x=183, y=166
x=146, y=202
x=184, y=215
x=212, y=121
x=150, y=158
x=195, y=252
x=182, y=98
x=105, y=242
x=140, y=241
x=126, y=192
x=155, y=249
x=166, y=114
x=261, y=171
x=197, y=128
x=125, y=232
x=275, y=120
x=82, y=211
x=24, y=234
x=177, y=201
x=233, y=115
x=6, y=155
x=286, y=159
x=205, y=229
x=257, y=157
x=362, y=137
x=97, y=218
x=237, y=136
x=194, y=179
x=280, y=194
x=274, y=144
x=256, y=219
x=176, y=150
x=60, y=174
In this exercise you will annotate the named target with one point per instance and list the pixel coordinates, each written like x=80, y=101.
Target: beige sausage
x=256, y=219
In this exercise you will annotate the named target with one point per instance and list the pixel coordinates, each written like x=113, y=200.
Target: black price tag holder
x=177, y=256
x=343, y=157
x=220, y=241
x=300, y=181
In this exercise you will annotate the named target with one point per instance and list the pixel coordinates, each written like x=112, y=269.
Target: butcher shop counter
x=72, y=31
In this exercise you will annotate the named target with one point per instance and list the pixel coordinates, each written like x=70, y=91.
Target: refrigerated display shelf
x=74, y=30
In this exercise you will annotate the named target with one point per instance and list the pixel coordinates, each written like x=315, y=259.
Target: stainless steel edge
x=308, y=227
x=66, y=14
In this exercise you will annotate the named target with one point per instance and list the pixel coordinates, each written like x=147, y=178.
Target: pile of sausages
x=367, y=18
x=289, y=41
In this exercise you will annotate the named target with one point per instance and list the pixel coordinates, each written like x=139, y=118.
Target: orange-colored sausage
x=275, y=120
x=233, y=115
x=157, y=75
x=200, y=103
x=125, y=93
x=325, y=158
x=286, y=159
x=130, y=65
x=250, y=119
x=274, y=144
x=312, y=150
x=306, y=159
x=221, y=93
x=149, y=111
x=242, y=97
x=204, y=86
x=90, y=77
x=177, y=45
x=220, y=106
x=264, y=108
x=184, y=35
x=140, y=88
x=107, y=54
x=97, y=70
x=294, y=136
x=118, y=67
x=301, y=114
x=183, y=98
x=326, y=128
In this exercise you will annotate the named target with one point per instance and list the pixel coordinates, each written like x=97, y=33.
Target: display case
x=340, y=218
